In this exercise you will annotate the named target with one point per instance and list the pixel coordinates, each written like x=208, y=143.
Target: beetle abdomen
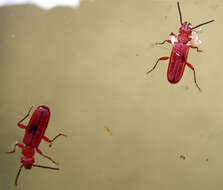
x=177, y=62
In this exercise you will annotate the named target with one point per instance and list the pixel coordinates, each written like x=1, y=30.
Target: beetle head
x=185, y=28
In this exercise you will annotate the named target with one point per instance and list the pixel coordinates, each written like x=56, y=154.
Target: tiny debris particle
x=108, y=130
x=182, y=157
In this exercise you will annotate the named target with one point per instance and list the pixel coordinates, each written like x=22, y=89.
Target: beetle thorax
x=28, y=158
x=184, y=33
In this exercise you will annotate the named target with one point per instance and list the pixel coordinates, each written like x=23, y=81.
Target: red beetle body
x=34, y=133
x=37, y=126
x=177, y=62
x=179, y=54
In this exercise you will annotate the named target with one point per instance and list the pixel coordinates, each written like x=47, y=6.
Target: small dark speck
x=187, y=88
x=182, y=157
x=137, y=54
x=108, y=130
x=165, y=17
x=206, y=160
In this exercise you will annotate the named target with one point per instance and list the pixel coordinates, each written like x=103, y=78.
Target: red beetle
x=33, y=135
x=178, y=57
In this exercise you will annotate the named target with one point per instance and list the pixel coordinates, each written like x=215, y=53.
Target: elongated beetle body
x=179, y=54
x=34, y=133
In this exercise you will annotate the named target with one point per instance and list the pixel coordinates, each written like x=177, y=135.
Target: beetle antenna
x=202, y=24
x=26, y=115
x=17, y=176
x=178, y=5
x=47, y=167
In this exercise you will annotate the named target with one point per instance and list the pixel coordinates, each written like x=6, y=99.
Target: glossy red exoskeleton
x=179, y=54
x=34, y=133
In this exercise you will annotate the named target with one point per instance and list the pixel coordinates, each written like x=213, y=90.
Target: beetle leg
x=192, y=68
x=195, y=47
x=160, y=59
x=161, y=43
x=17, y=144
x=27, y=115
x=172, y=34
x=168, y=41
x=41, y=153
x=21, y=126
x=50, y=141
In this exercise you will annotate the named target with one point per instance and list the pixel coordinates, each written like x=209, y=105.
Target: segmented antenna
x=17, y=176
x=202, y=24
x=178, y=5
x=47, y=167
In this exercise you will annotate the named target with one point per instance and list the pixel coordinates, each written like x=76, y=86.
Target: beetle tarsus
x=160, y=59
x=161, y=43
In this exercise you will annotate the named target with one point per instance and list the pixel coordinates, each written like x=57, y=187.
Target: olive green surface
x=89, y=66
